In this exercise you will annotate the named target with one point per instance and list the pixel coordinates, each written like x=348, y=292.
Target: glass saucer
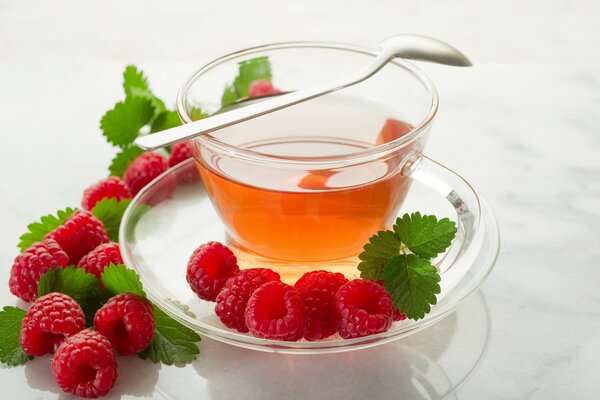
x=173, y=215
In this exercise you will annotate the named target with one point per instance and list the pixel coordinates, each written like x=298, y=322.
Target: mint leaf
x=165, y=120
x=135, y=84
x=229, y=96
x=381, y=248
x=122, y=124
x=118, y=279
x=76, y=283
x=413, y=283
x=39, y=230
x=72, y=281
x=11, y=352
x=123, y=159
x=249, y=71
x=425, y=235
x=110, y=212
x=173, y=343
x=196, y=113
x=134, y=78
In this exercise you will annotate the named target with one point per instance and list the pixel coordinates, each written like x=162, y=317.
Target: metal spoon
x=416, y=47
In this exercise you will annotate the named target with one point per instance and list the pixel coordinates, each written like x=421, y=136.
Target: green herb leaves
x=11, y=352
x=122, y=125
x=140, y=113
x=411, y=279
x=413, y=284
x=425, y=235
x=173, y=343
x=118, y=279
x=39, y=230
x=249, y=71
x=110, y=212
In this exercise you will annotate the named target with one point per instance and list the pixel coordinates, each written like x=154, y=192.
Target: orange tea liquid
x=311, y=216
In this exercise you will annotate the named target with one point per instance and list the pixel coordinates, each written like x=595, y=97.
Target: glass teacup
x=313, y=182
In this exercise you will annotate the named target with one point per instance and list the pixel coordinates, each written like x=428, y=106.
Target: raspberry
x=85, y=365
x=209, y=268
x=127, y=320
x=180, y=152
x=275, y=311
x=363, y=308
x=33, y=263
x=233, y=298
x=80, y=234
x=111, y=187
x=398, y=316
x=143, y=170
x=48, y=322
x=317, y=290
x=96, y=260
x=260, y=88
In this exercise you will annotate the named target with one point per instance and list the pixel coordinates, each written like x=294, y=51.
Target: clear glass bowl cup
x=310, y=184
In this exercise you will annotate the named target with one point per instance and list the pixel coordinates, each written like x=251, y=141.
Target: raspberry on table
x=209, y=268
x=80, y=234
x=111, y=187
x=127, y=320
x=260, y=88
x=317, y=290
x=275, y=311
x=85, y=365
x=363, y=308
x=180, y=152
x=143, y=170
x=33, y=263
x=233, y=298
x=101, y=257
x=49, y=321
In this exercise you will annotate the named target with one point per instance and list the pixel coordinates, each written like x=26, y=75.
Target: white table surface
x=523, y=126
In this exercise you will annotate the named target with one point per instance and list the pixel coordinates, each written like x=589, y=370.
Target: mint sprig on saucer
x=401, y=258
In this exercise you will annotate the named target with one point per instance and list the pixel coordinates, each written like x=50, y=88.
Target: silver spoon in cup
x=415, y=47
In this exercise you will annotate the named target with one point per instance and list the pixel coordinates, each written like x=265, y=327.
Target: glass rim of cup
x=360, y=156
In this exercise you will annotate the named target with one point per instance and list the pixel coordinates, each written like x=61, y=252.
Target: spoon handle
x=235, y=116
x=409, y=46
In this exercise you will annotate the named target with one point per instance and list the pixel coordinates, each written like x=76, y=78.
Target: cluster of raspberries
x=84, y=362
x=319, y=305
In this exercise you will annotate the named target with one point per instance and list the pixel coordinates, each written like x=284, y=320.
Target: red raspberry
x=80, y=234
x=49, y=321
x=209, y=268
x=317, y=290
x=260, y=88
x=101, y=257
x=111, y=187
x=275, y=311
x=33, y=263
x=180, y=152
x=398, y=316
x=127, y=320
x=363, y=308
x=85, y=365
x=143, y=170
x=233, y=298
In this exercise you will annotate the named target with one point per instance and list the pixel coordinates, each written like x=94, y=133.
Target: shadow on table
x=431, y=364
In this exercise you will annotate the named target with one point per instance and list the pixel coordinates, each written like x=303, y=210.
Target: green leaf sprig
x=401, y=258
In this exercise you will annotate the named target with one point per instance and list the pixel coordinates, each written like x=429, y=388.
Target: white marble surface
x=522, y=125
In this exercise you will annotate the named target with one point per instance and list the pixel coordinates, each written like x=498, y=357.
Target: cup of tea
x=310, y=183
